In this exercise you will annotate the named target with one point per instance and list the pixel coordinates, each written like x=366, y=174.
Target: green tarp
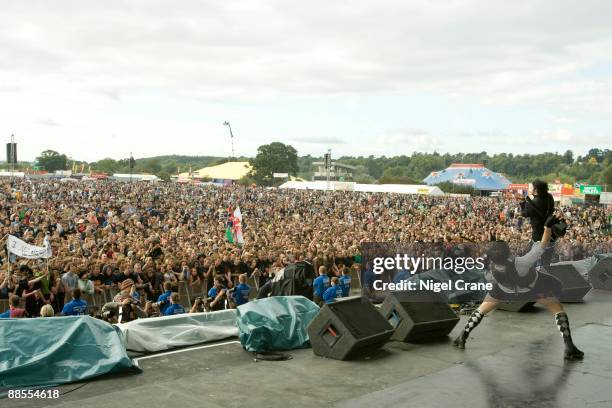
x=58, y=350
x=275, y=323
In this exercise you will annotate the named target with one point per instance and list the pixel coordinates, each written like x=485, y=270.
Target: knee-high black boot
x=571, y=351
x=471, y=324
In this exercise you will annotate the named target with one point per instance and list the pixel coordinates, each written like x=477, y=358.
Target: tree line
x=593, y=168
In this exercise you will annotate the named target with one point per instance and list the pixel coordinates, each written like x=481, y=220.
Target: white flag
x=20, y=248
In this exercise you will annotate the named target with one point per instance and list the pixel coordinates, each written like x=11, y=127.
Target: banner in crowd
x=20, y=248
x=590, y=189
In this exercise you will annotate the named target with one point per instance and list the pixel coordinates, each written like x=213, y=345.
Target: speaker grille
x=568, y=275
x=361, y=320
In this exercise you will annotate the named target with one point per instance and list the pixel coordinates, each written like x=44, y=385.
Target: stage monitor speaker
x=575, y=287
x=418, y=315
x=600, y=275
x=347, y=329
x=518, y=306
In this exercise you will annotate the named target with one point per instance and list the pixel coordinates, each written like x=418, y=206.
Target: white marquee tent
x=370, y=188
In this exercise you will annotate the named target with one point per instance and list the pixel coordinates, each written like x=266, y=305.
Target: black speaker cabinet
x=518, y=306
x=418, y=315
x=347, y=329
x=575, y=287
x=600, y=275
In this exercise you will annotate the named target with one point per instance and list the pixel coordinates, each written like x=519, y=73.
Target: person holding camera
x=216, y=295
x=517, y=279
x=128, y=305
x=198, y=306
x=163, y=301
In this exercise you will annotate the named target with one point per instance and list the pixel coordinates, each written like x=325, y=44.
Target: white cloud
x=405, y=141
x=235, y=49
x=331, y=140
x=565, y=137
x=70, y=60
x=46, y=122
x=556, y=135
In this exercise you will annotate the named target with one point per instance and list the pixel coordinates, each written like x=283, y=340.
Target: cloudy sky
x=97, y=79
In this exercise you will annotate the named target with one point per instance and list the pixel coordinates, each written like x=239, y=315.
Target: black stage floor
x=512, y=360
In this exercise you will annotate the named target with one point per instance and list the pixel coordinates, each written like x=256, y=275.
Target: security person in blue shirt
x=319, y=285
x=175, y=307
x=333, y=292
x=345, y=282
x=163, y=301
x=241, y=292
x=76, y=306
x=216, y=296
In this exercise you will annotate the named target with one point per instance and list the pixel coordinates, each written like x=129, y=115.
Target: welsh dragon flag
x=238, y=226
x=233, y=231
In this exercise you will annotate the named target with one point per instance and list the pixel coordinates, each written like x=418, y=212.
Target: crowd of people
x=143, y=239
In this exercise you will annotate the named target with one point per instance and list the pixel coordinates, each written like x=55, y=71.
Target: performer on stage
x=538, y=209
x=517, y=279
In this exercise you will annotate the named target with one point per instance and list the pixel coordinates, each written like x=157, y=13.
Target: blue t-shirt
x=332, y=293
x=164, y=300
x=107, y=280
x=320, y=284
x=345, y=284
x=75, y=307
x=174, y=309
x=241, y=294
x=6, y=314
x=213, y=292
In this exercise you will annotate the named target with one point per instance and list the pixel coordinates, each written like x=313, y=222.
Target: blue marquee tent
x=473, y=175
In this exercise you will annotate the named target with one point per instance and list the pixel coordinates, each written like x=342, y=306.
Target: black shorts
x=546, y=286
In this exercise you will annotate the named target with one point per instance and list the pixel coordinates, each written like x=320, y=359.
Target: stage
x=511, y=360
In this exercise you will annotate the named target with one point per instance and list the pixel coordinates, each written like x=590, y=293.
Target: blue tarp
x=275, y=323
x=58, y=350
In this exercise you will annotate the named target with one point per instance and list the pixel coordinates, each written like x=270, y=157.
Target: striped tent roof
x=473, y=175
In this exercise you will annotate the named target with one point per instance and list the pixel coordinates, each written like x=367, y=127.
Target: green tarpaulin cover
x=275, y=323
x=58, y=350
